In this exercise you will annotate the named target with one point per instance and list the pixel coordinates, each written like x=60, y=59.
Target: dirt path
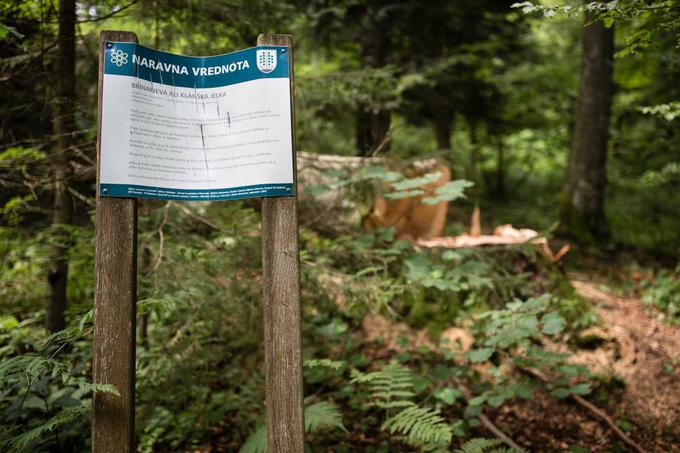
x=639, y=356
x=641, y=350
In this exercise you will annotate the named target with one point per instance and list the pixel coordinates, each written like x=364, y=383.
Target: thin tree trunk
x=64, y=120
x=500, y=167
x=157, y=34
x=474, y=153
x=372, y=125
x=443, y=124
x=146, y=268
x=372, y=130
x=582, y=204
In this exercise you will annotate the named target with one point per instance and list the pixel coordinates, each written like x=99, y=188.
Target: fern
x=323, y=363
x=256, y=442
x=64, y=416
x=421, y=426
x=32, y=366
x=318, y=416
x=481, y=445
x=323, y=415
x=391, y=387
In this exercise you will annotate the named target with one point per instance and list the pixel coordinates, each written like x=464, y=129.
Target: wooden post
x=115, y=304
x=281, y=277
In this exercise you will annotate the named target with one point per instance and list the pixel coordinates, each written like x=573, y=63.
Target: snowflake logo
x=119, y=58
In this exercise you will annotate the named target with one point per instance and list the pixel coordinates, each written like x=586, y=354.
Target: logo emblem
x=119, y=58
x=266, y=60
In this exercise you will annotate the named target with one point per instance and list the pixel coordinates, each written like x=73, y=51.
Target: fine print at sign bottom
x=195, y=128
x=122, y=190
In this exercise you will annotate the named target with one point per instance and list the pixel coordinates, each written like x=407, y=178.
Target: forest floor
x=639, y=356
x=634, y=354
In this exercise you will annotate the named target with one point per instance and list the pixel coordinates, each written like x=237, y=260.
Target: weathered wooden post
x=115, y=304
x=281, y=280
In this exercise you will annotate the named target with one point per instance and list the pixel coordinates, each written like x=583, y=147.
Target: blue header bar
x=133, y=60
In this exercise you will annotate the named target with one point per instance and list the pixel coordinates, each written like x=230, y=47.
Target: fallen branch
x=488, y=424
x=593, y=410
x=497, y=432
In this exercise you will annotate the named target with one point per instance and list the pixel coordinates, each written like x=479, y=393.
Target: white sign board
x=195, y=128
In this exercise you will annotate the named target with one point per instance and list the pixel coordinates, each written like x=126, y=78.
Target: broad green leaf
x=580, y=389
x=8, y=322
x=480, y=355
x=560, y=393
x=552, y=323
x=448, y=395
x=450, y=191
x=496, y=400
x=477, y=400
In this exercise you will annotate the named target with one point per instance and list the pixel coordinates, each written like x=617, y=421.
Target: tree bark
x=64, y=121
x=582, y=204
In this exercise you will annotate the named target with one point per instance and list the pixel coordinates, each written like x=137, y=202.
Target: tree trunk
x=373, y=124
x=443, y=121
x=474, y=152
x=500, y=167
x=372, y=129
x=582, y=204
x=64, y=121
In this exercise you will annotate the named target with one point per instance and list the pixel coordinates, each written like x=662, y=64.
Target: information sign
x=195, y=128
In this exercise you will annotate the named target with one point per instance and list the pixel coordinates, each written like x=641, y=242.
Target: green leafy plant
x=482, y=445
x=513, y=334
x=392, y=389
x=663, y=292
x=43, y=402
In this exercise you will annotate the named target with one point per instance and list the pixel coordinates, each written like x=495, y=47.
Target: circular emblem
x=119, y=58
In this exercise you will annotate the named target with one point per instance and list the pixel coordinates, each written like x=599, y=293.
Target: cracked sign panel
x=195, y=128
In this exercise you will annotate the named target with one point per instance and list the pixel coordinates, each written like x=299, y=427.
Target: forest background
x=564, y=117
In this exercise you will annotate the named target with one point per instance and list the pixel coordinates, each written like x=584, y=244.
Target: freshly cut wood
x=502, y=235
x=476, y=223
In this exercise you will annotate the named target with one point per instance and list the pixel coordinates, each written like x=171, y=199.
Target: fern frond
x=391, y=387
x=323, y=363
x=483, y=445
x=323, y=415
x=256, y=442
x=88, y=386
x=478, y=445
x=421, y=426
x=65, y=416
x=317, y=416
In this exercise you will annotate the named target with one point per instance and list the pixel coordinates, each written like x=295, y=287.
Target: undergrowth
x=199, y=360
